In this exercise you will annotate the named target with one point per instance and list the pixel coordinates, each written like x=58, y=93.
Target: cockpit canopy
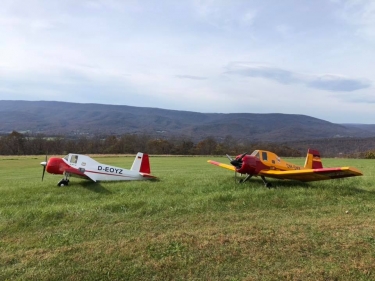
x=71, y=158
x=259, y=153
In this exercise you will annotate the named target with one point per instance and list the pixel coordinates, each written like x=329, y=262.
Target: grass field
x=195, y=223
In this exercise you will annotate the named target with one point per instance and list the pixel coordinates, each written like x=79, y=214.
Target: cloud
x=328, y=82
x=337, y=83
x=361, y=15
x=254, y=70
x=225, y=15
x=364, y=99
x=171, y=54
x=192, y=77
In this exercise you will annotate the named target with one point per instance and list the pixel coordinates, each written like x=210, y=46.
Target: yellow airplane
x=267, y=164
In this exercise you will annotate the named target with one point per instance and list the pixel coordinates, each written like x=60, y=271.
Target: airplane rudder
x=316, y=162
x=313, y=152
x=145, y=164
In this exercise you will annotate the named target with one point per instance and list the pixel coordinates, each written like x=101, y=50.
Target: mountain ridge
x=65, y=118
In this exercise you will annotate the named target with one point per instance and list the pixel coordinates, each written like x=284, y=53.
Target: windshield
x=255, y=153
x=74, y=159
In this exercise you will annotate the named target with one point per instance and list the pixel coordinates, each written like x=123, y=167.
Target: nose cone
x=55, y=166
x=44, y=163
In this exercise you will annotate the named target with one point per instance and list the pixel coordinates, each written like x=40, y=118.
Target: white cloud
x=248, y=18
x=284, y=29
x=173, y=54
x=328, y=82
x=226, y=15
x=193, y=77
x=360, y=14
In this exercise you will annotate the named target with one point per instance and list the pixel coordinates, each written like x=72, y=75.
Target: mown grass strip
x=195, y=223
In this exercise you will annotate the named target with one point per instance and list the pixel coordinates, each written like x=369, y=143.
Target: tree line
x=17, y=143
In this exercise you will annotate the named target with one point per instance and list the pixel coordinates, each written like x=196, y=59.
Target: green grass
x=195, y=223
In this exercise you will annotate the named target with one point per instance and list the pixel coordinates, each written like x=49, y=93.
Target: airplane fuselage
x=83, y=166
x=264, y=160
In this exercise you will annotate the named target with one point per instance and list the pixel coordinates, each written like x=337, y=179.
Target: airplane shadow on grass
x=339, y=184
x=343, y=187
x=276, y=183
x=95, y=187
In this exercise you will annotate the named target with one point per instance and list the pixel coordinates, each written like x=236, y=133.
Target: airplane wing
x=313, y=174
x=226, y=166
x=78, y=173
x=304, y=175
x=93, y=175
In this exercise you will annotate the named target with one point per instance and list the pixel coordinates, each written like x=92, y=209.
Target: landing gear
x=245, y=179
x=63, y=182
x=266, y=183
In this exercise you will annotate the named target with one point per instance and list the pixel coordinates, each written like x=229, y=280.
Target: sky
x=306, y=57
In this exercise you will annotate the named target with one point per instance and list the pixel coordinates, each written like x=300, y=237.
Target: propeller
x=44, y=164
x=235, y=171
x=237, y=162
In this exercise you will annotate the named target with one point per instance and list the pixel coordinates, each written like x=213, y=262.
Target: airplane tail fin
x=313, y=160
x=141, y=163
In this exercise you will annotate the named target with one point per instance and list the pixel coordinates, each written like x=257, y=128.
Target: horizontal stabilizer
x=148, y=176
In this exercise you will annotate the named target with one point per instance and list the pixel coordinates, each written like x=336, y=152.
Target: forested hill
x=62, y=118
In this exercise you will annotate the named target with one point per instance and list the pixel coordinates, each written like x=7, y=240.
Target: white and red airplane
x=83, y=166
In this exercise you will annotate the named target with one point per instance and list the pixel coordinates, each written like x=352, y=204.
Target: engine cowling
x=251, y=165
x=56, y=166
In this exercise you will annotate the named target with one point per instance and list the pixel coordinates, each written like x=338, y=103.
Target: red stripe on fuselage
x=101, y=173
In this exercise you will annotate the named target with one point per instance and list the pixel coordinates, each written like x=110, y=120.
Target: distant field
x=195, y=223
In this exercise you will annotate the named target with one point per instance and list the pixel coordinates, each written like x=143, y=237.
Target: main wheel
x=63, y=183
